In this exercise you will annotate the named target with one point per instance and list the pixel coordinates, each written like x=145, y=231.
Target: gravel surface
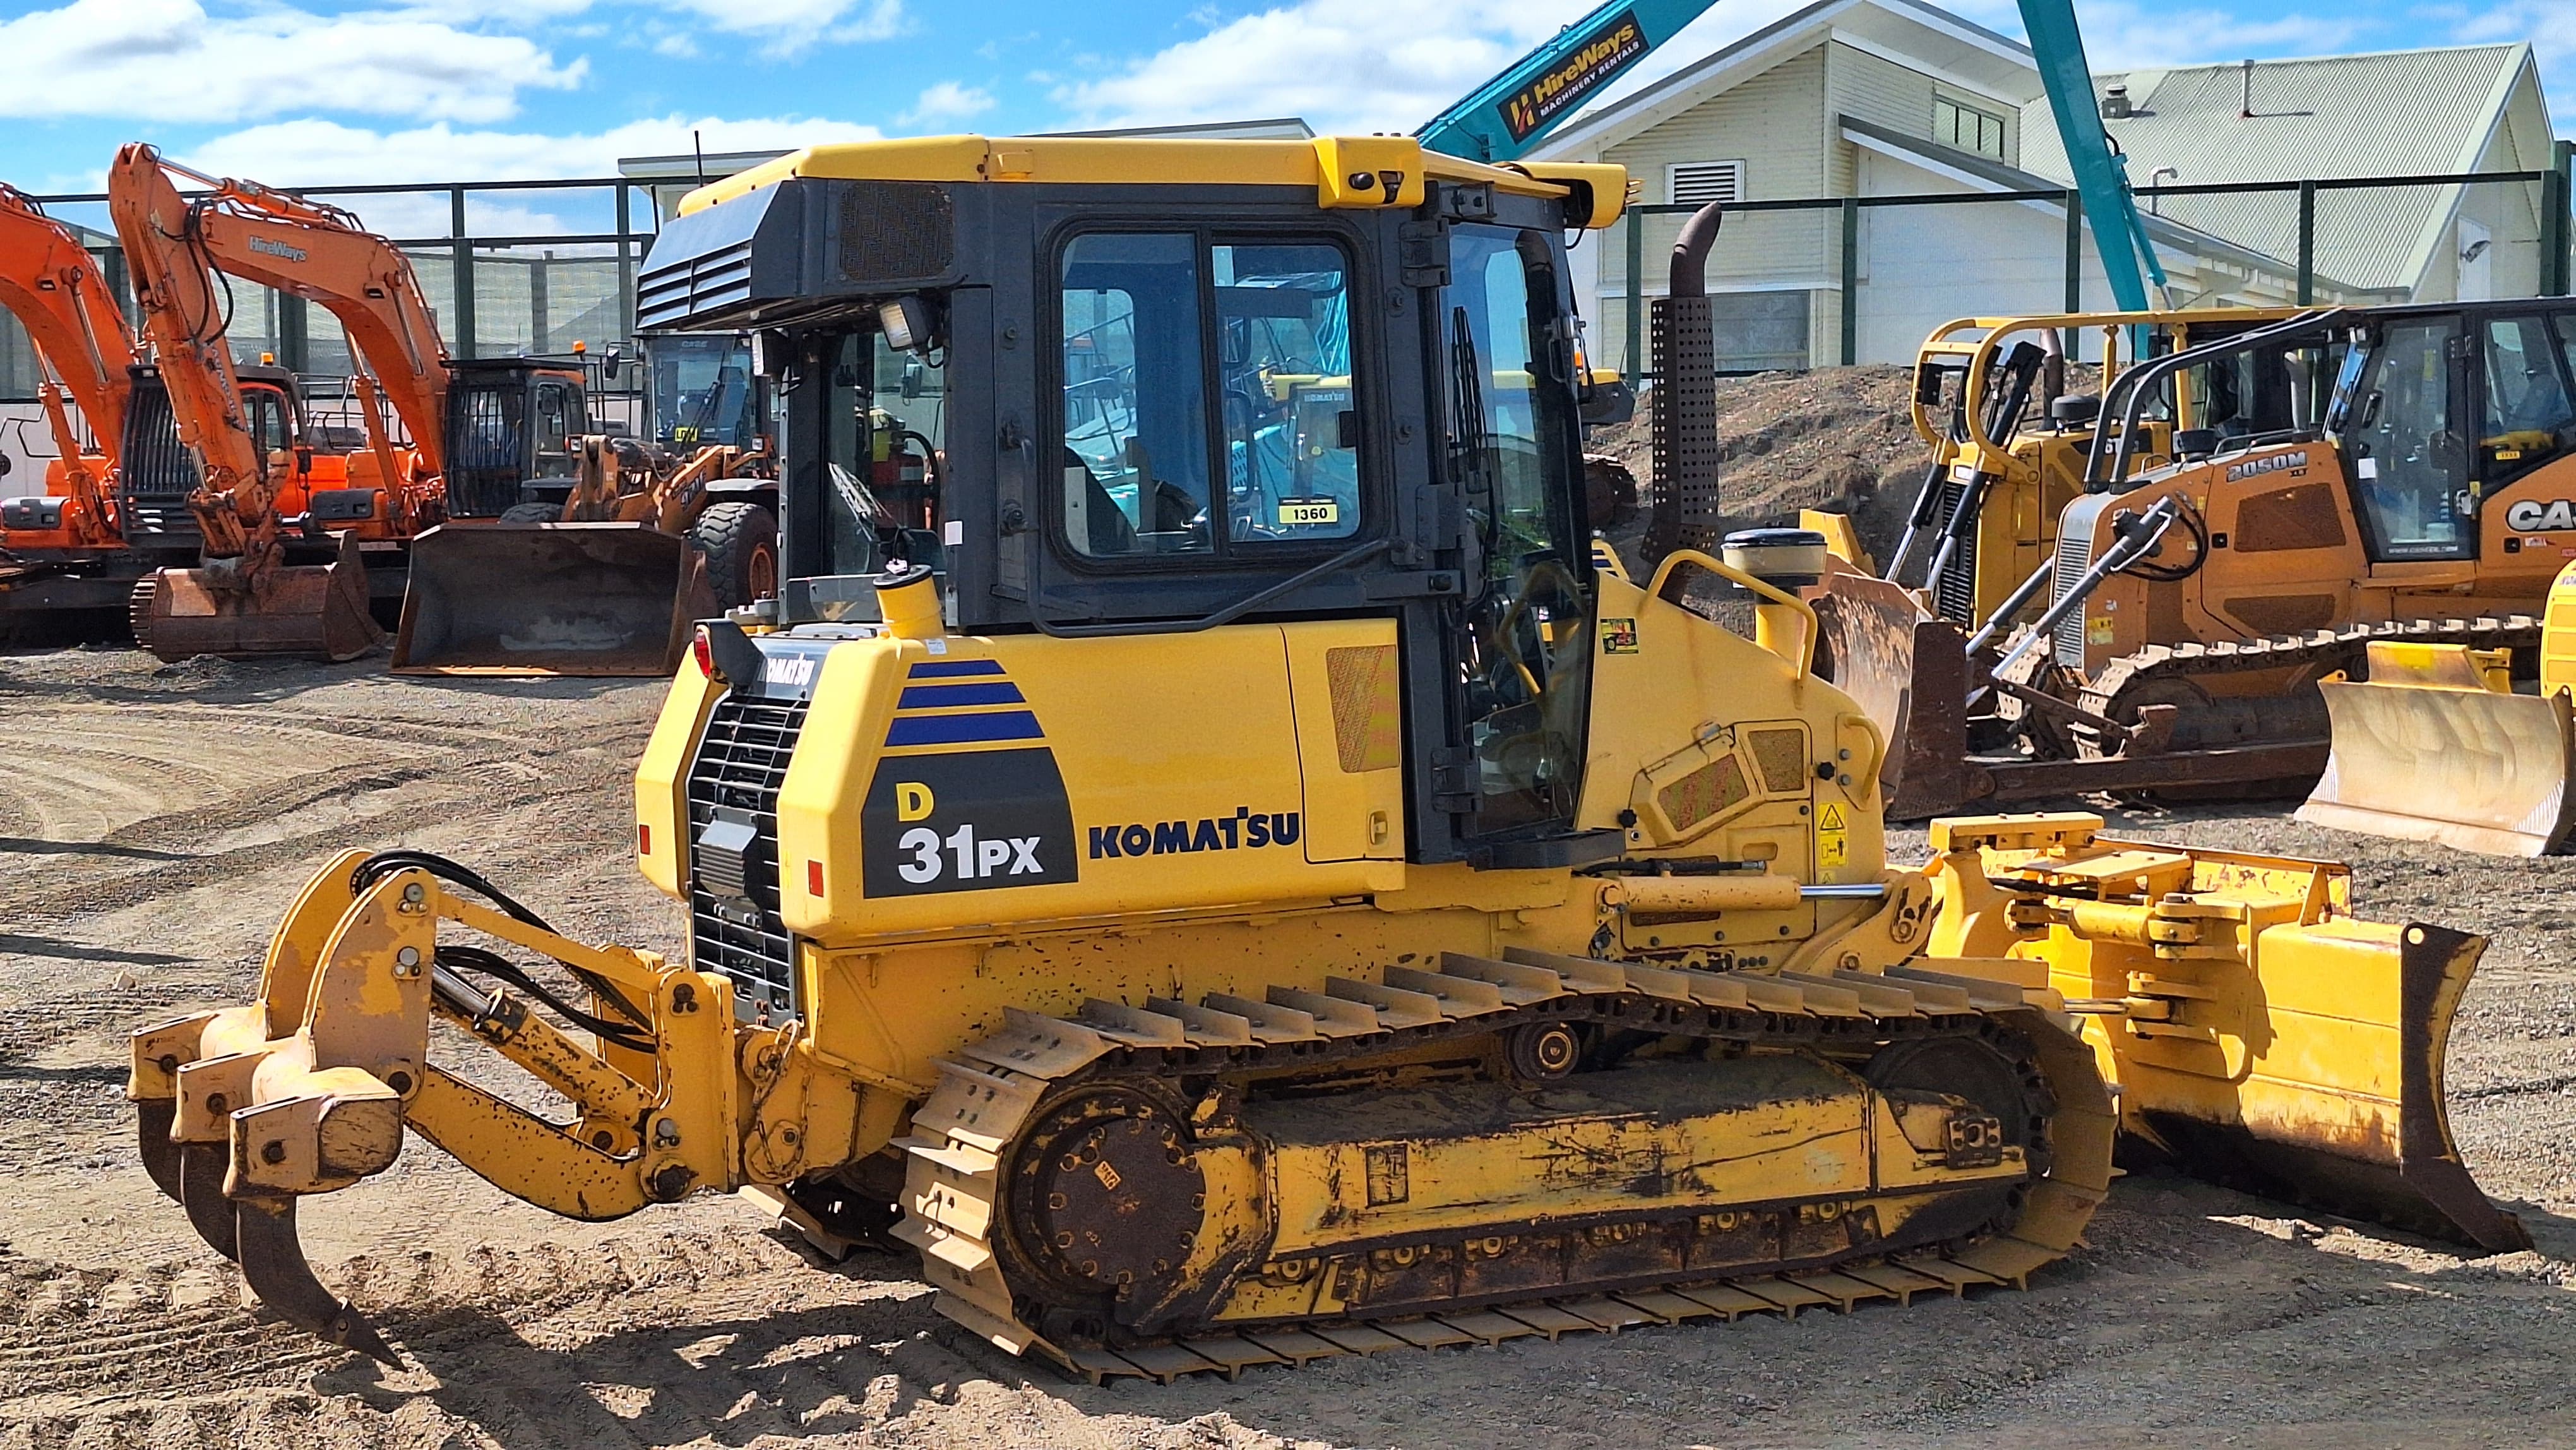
x=155, y=822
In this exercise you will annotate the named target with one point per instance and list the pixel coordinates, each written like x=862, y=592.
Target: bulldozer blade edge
x=273, y=1264
x=594, y=599
x=152, y=1118
x=305, y=609
x=201, y=1193
x=2471, y=768
x=2324, y=1133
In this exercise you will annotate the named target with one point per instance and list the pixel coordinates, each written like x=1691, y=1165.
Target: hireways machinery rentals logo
x=281, y=250
x=1587, y=66
x=941, y=818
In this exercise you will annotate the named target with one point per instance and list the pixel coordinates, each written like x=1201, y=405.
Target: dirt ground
x=155, y=821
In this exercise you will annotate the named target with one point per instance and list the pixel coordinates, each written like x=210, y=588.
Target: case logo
x=2530, y=514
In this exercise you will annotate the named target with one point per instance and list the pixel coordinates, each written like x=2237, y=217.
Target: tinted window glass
x=2528, y=421
x=1291, y=427
x=1135, y=458
x=2407, y=458
x=1529, y=649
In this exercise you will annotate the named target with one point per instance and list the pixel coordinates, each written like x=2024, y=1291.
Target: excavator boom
x=246, y=599
x=54, y=287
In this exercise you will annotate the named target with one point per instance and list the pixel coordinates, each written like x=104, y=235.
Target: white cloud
x=323, y=153
x=174, y=60
x=949, y=101
x=1341, y=64
x=792, y=25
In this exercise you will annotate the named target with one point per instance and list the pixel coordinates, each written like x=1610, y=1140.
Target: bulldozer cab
x=1217, y=403
x=514, y=427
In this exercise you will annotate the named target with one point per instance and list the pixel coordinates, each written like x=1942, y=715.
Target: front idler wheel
x=1542, y=1052
x=1105, y=1200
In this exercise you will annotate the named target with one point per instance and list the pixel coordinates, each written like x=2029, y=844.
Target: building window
x=1697, y=183
x=1759, y=331
x=1967, y=128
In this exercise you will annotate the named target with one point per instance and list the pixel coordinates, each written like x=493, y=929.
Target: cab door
x=2525, y=459
x=2405, y=437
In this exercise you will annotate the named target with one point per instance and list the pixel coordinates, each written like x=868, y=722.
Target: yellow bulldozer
x=2251, y=501
x=1240, y=886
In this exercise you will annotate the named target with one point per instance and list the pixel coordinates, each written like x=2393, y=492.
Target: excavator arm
x=321, y=254
x=53, y=286
x=183, y=317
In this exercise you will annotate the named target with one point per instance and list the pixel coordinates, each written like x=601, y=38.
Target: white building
x=1897, y=98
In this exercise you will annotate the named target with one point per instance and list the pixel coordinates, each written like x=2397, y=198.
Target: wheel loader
x=2234, y=519
x=1239, y=886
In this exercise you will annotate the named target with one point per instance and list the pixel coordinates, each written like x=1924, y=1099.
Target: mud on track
x=155, y=821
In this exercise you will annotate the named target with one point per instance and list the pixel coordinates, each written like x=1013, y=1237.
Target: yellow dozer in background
x=1240, y=886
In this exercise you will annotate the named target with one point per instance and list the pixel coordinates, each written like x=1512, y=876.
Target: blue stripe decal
x=932, y=697
x=947, y=669
x=963, y=729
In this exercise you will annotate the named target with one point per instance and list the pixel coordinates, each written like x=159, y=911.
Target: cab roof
x=1345, y=171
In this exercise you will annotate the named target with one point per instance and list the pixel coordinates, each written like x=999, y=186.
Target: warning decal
x=1833, y=839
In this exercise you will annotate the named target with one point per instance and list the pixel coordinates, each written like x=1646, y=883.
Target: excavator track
x=1006, y=1149
x=2114, y=690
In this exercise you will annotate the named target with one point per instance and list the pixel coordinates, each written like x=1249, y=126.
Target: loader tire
x=532, y=513
x=740, y=540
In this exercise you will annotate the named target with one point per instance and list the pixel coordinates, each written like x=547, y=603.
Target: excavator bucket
x=550, y=599
x=2434, y=747
x=301, y=609
x=2259, y=1034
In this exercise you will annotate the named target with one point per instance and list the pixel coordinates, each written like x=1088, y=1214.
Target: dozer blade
x=273, y=1264
x=2463, y=765
x=550, y=599
x=1908, y=672
x=2337, y=1100
x=302, y=609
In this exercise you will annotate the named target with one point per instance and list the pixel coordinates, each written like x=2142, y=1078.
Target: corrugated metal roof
x=2397, y=113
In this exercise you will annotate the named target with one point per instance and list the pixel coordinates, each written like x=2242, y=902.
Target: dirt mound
x=1841, y=439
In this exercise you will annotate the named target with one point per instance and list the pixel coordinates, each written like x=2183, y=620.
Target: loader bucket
x=2458, y=763
x=550, y=599
x=300, y=609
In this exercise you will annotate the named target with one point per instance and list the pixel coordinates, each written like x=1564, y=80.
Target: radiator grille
x=486, y=438
x=896, y=231
x=733, y=860
x=2074, y=556
x=1954, y=594
x=155, y=472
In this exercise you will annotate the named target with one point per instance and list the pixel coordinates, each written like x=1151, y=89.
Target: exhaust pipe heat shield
x=550, y=599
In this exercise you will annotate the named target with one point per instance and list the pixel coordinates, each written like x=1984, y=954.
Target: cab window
x=2407, y=460
x=1135, y=457
x=1208, y=396
x=885, y=457
x=1527, y=644
x=554, y=427
x=1291, y=425
x=2527, y=420
x=267, y=407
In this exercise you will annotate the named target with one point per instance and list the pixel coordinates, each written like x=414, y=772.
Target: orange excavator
x=479, y=439
x=68, y=535
x=260, y=587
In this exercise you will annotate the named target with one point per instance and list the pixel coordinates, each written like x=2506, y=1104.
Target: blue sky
x=314, y=91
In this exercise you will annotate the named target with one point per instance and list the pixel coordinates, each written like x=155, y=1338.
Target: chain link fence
x=1821, y=281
